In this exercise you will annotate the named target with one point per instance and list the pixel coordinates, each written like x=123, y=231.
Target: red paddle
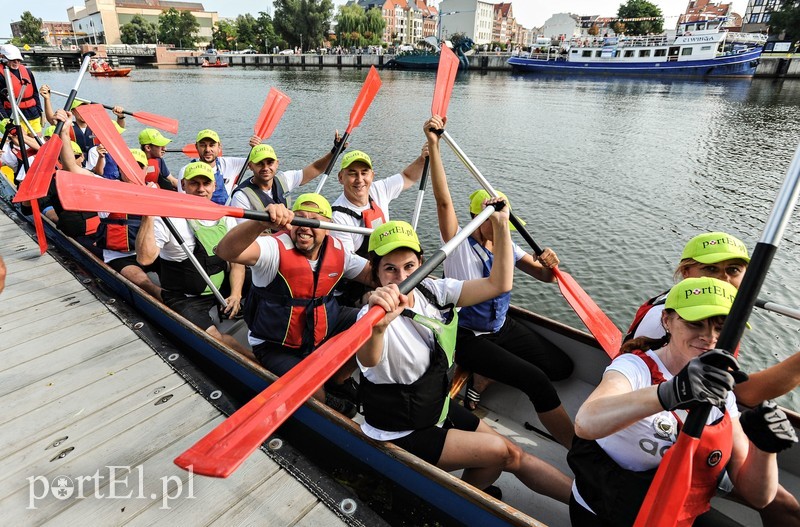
x=365, y=97
x=167, y=124
x=445, y=78
x=103, y=127
x=190, y=150
x=226, y=447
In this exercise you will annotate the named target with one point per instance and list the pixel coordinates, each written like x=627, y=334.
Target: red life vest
x=119, y=232
x=710, y=459
x=371, y=218
x=152, y=171
x=297, y=308
x=21, y=86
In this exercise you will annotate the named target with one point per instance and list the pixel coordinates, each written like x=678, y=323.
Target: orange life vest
x=21, y=84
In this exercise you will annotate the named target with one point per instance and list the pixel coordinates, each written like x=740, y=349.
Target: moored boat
x=508, y=410
x=214, y=65
x=698, y=49
x=118, y=72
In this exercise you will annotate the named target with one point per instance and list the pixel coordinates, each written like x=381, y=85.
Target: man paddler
x=23, y=82
x=268, y=184
x=291, y=309
x=183, y=288
x=154, y=145
x=225, y=169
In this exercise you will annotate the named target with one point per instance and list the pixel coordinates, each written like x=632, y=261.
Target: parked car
x=211, y=51
x=248, y=51
x=286, y=52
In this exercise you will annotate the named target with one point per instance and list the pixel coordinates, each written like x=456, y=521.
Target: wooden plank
x=54, y=324
x=29, y=287
x=282, y=499
x=159, y=473
x=36, y=270
x=319, y=516
x=31, y=312
x=132, y=443
x=61, y=383
x=28, y=367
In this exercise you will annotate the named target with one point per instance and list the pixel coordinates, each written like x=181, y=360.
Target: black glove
x=768, y=427
x=336, y=143
x=705, y=379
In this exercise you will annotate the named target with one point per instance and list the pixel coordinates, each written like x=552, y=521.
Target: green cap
x=393, y=235
x=76, y=149
x=75, y=104
x=49, y=131
x=312, y=202
x=261, y=152
x=701, y=298
x=4, y=123
x=356, y=155
x=477, y=198
x=207, y=134
x=198, y=168
x=139, y=156
x=713, y=247
x=151, y=136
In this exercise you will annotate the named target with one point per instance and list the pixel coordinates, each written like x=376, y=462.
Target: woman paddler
x=490, y=343
x=405, y=366
x=634, y=415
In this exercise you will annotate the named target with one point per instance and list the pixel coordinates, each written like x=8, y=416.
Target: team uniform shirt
x=229, y=167
x=169, y=246
x=642, y=445
x=289, y=181
x=407, y=346
x=92, y=157
x=382, y=192
x=266, y=268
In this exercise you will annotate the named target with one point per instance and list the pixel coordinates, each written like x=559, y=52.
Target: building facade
x=473, y=18
x=53, y=32
x=407, y=21
x=705, y=10
x=757, y=15
x=100, y=20
x=562, y=26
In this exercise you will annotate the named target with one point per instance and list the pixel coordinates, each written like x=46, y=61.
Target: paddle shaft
x=665, y=499
x=421, y=193
x=106, y=106
x=73, y=94
x=339, y=146
x=17, y=117
x=778, y=308
x=298, y=221
x=195, y=263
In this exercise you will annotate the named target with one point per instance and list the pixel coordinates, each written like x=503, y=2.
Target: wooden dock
x=93, y=417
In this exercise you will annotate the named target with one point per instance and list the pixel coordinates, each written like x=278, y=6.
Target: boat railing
x=620, y=42
x=747, y=38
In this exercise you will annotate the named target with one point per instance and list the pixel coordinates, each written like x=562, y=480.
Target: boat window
x=598, y=53
x=661, y=52
x=644, y=52
x=574, y=50
x=705, y=48
x=587, y=53
x=628, y=52
x=686, y=51
x=616, y=53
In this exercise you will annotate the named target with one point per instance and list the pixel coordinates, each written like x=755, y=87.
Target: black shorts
x=195, y=309
x=428, y=443
x=118, y=264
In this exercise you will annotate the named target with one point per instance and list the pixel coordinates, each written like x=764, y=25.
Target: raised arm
x=448, y=221
x=49, y=114
x=773, y=382
x=318, y=167
x=501, y=277
x=67, y=155
x=239, y=244
x=413, y=172
x=541, y=267
x=146, y=248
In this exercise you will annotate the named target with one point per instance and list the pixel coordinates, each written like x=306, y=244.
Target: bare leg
x=137, y=275
x=783, y=510
x=559, y=424
x=345, y=371
x=230, y=342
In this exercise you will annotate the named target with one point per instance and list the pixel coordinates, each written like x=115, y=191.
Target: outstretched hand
x=434, y=127
x=768, y=428
x=705, y=379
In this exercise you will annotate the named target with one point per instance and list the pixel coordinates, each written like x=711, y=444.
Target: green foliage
x=303, y=22
x=178, y=28
x=223, y=35
x=138, y=31
x=641, y=9
x=356, y=27
x=31, y=29
x=246, y=32
x=786, y=20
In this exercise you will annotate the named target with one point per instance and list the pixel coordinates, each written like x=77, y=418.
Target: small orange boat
x=119, y=72
x=215, y=65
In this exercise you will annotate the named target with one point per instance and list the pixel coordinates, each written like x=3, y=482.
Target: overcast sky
x=529, y=13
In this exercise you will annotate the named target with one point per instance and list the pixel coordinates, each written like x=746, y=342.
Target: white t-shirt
x=229, y=167
x=650, y=326
x=464, y=263
x=407, y=345
x=266, y=268
x=289, y=181
x=382, y=193
x=92, y=157
x=169, y=246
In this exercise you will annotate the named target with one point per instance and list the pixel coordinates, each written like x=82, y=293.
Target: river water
x=614, y=174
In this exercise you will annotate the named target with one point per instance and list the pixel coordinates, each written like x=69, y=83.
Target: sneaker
x=347, y=390
x=341, y=405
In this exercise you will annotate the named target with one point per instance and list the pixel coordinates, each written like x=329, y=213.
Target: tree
x=641, y=9
x=302, y=22
x=247, y=31
x=223, y=34
x=177, y=28
x=265, y=32
x=787, y=20
x=31, y=29
x=138, y=31
x=356, y=27
x=593, y=30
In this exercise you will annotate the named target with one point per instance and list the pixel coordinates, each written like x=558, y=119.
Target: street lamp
x=301, y=43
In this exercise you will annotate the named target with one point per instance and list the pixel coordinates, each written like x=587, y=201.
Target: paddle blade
x=39, y=225
x=365, y=97
x=674, y=478
x=91, y=194
x=190, y=150
x=271, y=113
x=37, y=180
x=102, y=126
x=445, y=78
x=226, y=447
x=607, y=334
x=157, y=121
